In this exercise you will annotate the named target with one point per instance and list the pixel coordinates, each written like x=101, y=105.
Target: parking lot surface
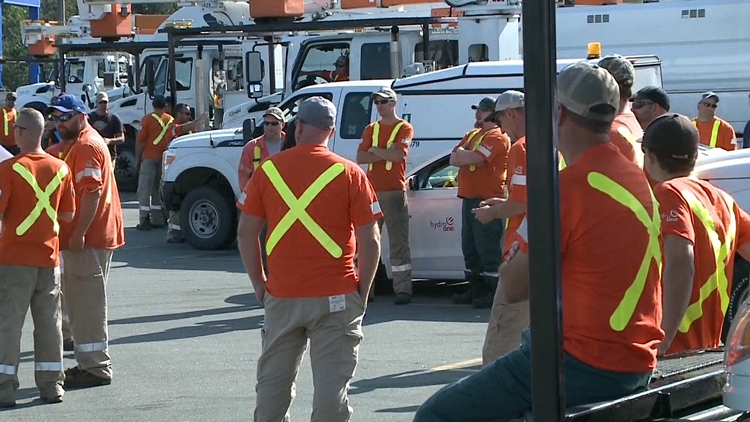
x=185, y=339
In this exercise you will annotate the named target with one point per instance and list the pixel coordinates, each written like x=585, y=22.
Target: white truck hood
x=207, y=139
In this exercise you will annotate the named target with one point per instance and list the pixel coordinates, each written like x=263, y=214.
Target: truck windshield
x=74, y=71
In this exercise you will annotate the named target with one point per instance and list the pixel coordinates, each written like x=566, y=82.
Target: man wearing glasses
x=7, y=140
x=715, y=132
x=649, y=103
x=262, y=147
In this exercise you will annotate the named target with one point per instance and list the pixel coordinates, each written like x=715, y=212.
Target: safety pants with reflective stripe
x=391, y=139
x=85, y=287
x=149, y=192
x=21, y=288
x=395, y=208
x=173, y=225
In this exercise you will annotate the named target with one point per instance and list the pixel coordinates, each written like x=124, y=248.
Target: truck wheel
x=208, y=218
x=739, y=293
x=125, y=171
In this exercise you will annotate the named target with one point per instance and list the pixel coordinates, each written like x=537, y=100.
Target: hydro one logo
x=444, y=225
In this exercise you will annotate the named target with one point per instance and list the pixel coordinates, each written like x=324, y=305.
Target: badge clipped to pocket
x=337, y=303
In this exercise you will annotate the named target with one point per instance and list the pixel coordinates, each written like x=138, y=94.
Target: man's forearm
x=138, y=151
x=249, y=247
x=462, y=157
x=87, y=211
x=508, y=209
x=368, y=247
x=389, y=154
x=117, y=140
x=678, y=287
x=364, y=157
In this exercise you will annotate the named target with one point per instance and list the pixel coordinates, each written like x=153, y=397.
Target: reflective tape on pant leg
x=49, y=366
x=156, y=207
x=146, y=208
x=400, y=268
x=91, y=347
x=8, y=369
x=175, y=227
x=489, y=274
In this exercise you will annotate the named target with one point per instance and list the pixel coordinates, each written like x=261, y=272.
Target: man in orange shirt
x=702, y=229
x=88, y=242
x=714, y=131
x=625, y=129
x=151, y=142
x=649, y=103
x=320, y=210
x=482, y=159
x=507, y=321
x=260, y=148
x=29, y=258
x=384, y=147
x=7, y=139
x=609, y=338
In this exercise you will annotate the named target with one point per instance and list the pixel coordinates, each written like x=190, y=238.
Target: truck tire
x=739, y=293
x=126, y=174
x=208, y=218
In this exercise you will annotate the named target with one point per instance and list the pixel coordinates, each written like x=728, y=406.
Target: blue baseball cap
x=68, y=103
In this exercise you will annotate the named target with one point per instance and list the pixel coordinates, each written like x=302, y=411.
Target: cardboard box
x=277, y=8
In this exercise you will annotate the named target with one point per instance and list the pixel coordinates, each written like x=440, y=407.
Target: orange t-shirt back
x=516, y=189
x=624, y=133
x=603, y=245
x=488, y=180
x=39, y=246
x=300, y=266
x=150, y=130
x=678, y=219
x=725, y=137
x=8, y=139
x=395, y=178
x=91, y=165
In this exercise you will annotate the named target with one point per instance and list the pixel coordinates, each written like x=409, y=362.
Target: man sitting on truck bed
x=610, y=334
x=702, y=228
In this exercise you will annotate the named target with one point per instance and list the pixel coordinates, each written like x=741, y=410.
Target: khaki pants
x=39, y=288
x=396, y=218
x=334, y=347
x=85, y=286
x=149, y=196
x=507, y=322
x=173, y=225
x=67, y=330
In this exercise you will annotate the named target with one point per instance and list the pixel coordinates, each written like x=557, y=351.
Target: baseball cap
x=159, y=101
x=510, y=99
x=67, y=103
x=654, y=94
x=583, y=87
x=672, y=136
x=486, y=104
x=709, y=94
x=275, y=112
x=619, y=67
x=102, y=96
x=11, y=96
x=317, y=112
x=386, y=93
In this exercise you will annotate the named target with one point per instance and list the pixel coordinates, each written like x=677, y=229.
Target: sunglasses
x=711, y=105
x=381, y=102
x=63, y=117
x=267, y=123
x=640, y=104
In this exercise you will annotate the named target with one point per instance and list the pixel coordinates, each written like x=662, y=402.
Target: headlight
x=166, y=160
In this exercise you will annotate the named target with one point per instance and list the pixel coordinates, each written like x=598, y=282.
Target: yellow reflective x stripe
x=714, y=132
x=43, y=203
x=376, y=137
x=624, y=311
x=164, y=127
x=718, y=280
x=476, y=144
x=298, y=207
x=6, y=119
x=256, y=157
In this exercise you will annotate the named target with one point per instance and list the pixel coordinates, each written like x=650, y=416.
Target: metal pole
x=540, y=74
x=61, y=76
x=172, y=66
x=271, y=63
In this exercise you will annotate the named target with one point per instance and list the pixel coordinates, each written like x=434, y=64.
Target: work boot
x=52, y=394
x=486, y=293
x=145, y=226
x=402, y=299
x=466, y=297
x=76, y=378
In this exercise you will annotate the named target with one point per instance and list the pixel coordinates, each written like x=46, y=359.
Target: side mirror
x=254, y=74
x=248, y=127
x=413, y=183
x=131, y=78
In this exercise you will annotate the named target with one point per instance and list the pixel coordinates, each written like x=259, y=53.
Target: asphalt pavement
x=185, y=338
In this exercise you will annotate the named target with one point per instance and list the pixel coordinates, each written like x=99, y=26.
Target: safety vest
x=714, y=131
x=376, y=137
x=42, y=197
x=619, y=319
x=164, y=127
x=722, y=250
x=476, y=144
x=256, y=157
x=298, y=208
x=6, y=120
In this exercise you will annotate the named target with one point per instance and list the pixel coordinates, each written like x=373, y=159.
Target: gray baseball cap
x=510, y=99
x=317, y=112
x=486, y=104
x=583, y=86
x=275, y=112
x=386, y=93
x=620, y=68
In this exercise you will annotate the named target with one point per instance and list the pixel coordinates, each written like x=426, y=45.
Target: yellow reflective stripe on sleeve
x=298, y=207
x=164, y=127
x=256, y=157
x=376, y=137
x=625, y=310
x=43, y=202
x=476, y=144
x=6, y=120
x=718, y=280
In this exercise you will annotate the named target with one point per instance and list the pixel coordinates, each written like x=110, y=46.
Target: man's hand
x=492, y=201
x=260, y=293
x=203, y=117
x=484, y=214
x=76, y=242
